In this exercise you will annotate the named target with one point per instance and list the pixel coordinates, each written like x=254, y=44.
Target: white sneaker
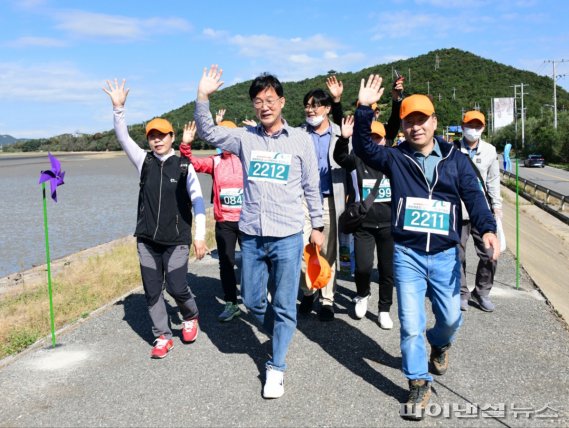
x=274, y=383
x=385, y=321
x=361, y=306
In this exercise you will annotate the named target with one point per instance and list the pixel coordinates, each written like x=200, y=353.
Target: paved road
x=551, y=178
x=341, y=374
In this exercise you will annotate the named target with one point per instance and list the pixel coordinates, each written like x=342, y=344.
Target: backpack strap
x=368, y=201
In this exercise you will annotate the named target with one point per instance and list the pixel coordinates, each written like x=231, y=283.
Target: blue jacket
x=454, y=180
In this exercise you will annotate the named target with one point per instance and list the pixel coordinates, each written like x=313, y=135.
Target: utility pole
x=523, y=115
x=454, y=93
x=516, y=115
x=492, y=115
x=437, y=62
x=409, y=75
x=555, y=90
x=428, y=87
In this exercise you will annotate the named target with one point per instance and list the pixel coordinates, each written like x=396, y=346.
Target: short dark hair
x=319, y=96
x=263, y=82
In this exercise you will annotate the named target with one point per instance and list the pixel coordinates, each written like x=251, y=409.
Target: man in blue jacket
x=429, y=178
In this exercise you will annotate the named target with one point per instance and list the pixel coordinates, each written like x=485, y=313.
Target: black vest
x=164, y=206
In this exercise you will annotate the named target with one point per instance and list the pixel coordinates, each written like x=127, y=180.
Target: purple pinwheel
x=54, y=176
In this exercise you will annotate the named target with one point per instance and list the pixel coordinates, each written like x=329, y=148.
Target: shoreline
x=38, y=274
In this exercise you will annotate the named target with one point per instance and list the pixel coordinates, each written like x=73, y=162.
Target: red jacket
x=227, y=174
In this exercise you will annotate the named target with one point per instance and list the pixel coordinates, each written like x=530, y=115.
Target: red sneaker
x=190, y=330
x=161, y=347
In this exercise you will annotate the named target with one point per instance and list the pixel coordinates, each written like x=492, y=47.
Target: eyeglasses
x=259, y=103
x=312, y=107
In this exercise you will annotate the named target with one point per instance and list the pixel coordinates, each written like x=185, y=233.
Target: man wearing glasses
x=279, y=170
x=324, y=134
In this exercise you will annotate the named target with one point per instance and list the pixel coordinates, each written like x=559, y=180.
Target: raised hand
x=371, y=91
x=347, y=126
x=397, y=91
x=117, y=92
x=249, y=122
x=189, y=134
x=219, y=116
x=335, y=87
x=210, y=82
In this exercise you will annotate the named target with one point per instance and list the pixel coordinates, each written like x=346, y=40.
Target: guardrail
x=551, y=201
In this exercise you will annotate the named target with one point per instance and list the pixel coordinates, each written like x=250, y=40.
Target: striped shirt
x=278, y=171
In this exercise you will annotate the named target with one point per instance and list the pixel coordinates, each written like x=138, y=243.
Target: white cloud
x=30, y=41
x=309, y=56
x=214, y=34
x=55, y=82
x=119, y=28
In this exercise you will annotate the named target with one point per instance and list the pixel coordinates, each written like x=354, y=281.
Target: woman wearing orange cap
x=169, y=189
x=226, y=171
x=375, y=231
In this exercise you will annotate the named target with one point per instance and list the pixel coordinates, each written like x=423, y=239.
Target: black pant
x=365, y=239
x=226, y=235
x=486, y=266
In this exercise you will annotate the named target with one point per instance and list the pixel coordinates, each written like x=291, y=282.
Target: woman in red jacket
x=226, y=171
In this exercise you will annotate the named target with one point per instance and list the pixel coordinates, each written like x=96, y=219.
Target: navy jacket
x=454, y=179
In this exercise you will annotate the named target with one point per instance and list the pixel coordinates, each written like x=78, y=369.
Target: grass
x=78, y=289
x=564, y=166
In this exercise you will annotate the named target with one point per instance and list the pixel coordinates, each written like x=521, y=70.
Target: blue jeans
x=418, y=275
x=278, y=258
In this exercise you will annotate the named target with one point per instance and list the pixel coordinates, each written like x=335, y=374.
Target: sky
x=55, y=55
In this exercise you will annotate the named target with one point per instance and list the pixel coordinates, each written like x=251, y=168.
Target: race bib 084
x=231, y=198
x=427, y=215
x=269, y=166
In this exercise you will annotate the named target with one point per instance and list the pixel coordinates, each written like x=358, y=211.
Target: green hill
x=473, y=80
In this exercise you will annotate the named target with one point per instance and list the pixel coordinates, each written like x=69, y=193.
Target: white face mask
x=471, y=134
x=314, y=120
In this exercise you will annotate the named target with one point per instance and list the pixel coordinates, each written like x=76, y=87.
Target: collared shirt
x=472, y=151
x=429, y=163
x=269, y=208
x=322, y=147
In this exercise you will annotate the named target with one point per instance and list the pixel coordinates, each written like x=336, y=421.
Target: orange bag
x=317, y=268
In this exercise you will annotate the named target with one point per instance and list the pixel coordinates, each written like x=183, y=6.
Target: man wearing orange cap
x=169, y=189
x=485, y=159
x=429, y=178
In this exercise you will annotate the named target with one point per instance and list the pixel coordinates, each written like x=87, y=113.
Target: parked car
x=534, y=159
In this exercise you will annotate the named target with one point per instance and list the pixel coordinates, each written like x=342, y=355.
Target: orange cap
x=378, y=128
x=317, y=268
x=227, y=124
x=159, y=124
x=471, y=115
x=416, y=103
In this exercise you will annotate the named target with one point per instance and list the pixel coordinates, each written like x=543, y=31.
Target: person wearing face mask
x=324, y=135
x=485, y=159
x=375, y=230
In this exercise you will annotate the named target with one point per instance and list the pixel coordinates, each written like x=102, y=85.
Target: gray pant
x=169, y=263
x=486, y=267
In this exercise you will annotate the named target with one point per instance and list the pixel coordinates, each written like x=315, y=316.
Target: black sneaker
x=419, y=396
x=326, y=313
x=307, y=303
x=439, y=359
